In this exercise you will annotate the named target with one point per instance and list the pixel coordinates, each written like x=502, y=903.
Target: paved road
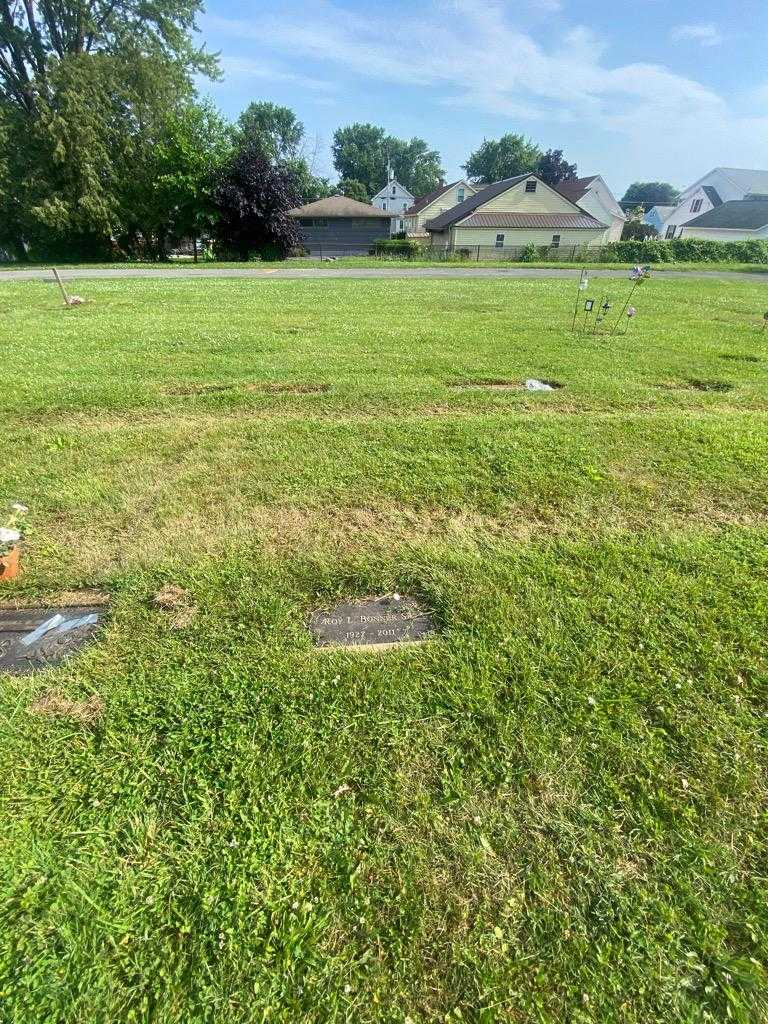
x=302, y=273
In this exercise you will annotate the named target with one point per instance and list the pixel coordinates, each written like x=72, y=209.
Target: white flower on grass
x=591, y=701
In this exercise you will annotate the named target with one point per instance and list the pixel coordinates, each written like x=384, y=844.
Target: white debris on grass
x=537, y=385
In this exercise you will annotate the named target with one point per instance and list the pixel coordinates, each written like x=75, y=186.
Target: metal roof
x=340, y=206
x=750, y=214
x=532, y=220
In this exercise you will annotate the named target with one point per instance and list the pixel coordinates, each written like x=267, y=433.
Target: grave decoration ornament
x=638, y=276
x=583, y=285
x=11, y=533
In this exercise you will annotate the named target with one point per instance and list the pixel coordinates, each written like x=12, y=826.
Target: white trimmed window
x=530, y=185
x=460, y=192
x=499, y=241
x=671, y=231
x=555, y=241
x=695, y=205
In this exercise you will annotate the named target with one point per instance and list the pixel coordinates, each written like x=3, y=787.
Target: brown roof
x=339, y=206
x=531, y=220
x=423, y=201
x=575, y=189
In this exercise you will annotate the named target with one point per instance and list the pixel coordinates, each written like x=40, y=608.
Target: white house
x=732, y=221
x=656, y=217
x=443, y=198
x=394, y=198
x=721, y=185
x=594, y=197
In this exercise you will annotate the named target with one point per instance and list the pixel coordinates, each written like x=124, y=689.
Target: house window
x=671, y=231
x=460, y=195
x=313, y=222
x=394, y=191
x=530, y=186
x=499, y=241
x=384, y=205
x=555, y=241
x=695, y=205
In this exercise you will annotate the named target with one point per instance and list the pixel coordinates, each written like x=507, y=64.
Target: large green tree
x=361, y=153
x=273, y=129
x=276, y=132
x=85, y=86
x=659, y=193
x=553, y=168
x=170, y=194
x=506, y=157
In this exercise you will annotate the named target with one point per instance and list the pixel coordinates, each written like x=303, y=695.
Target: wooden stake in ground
x=61, y=286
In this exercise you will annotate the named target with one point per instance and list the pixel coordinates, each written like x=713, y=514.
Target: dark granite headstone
x=372, y=622
x=33, y=638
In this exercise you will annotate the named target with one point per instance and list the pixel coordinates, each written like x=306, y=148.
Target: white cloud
x=235, y=68
x=470, y=54
x=706, y=33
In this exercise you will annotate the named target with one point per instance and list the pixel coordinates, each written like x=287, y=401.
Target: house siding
x=445, y=202
x=599, y=202
x=543, y=200
x=344, y=236
x=467, y=237
x=724, y=234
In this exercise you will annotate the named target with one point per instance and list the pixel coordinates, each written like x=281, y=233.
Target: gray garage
x=340, y=227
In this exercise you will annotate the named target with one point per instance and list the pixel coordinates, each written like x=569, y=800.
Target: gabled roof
x=744, y=178
x=450, y=217
x=576, y=188
x=424, y=201
x=445, y=220
x=339, y=206
x=385, y=190
x=532, y=220
x=747, y=179
x=749, y=214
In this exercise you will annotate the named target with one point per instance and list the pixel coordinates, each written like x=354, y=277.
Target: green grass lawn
x=554, y=811
x=369, y=262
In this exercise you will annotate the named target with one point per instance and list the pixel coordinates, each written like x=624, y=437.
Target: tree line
x=106, y=150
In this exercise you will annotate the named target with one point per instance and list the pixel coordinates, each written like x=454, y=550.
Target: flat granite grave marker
x=33, y=638
x=372, y=622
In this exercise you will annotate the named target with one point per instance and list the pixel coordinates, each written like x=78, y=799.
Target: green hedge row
x=397, y=247
x=694, y=250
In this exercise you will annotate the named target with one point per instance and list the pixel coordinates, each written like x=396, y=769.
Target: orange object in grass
x=9, y=564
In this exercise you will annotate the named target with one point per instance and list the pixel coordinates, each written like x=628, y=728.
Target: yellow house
x=434, y=203
x=514, y=213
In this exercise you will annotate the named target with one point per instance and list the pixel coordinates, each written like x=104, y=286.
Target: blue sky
x=650, y=90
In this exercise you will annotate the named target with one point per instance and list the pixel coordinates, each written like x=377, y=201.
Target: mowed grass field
x=553, y=811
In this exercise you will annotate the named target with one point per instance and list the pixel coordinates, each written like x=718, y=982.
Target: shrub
x=528, y=255
x=405, y=247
